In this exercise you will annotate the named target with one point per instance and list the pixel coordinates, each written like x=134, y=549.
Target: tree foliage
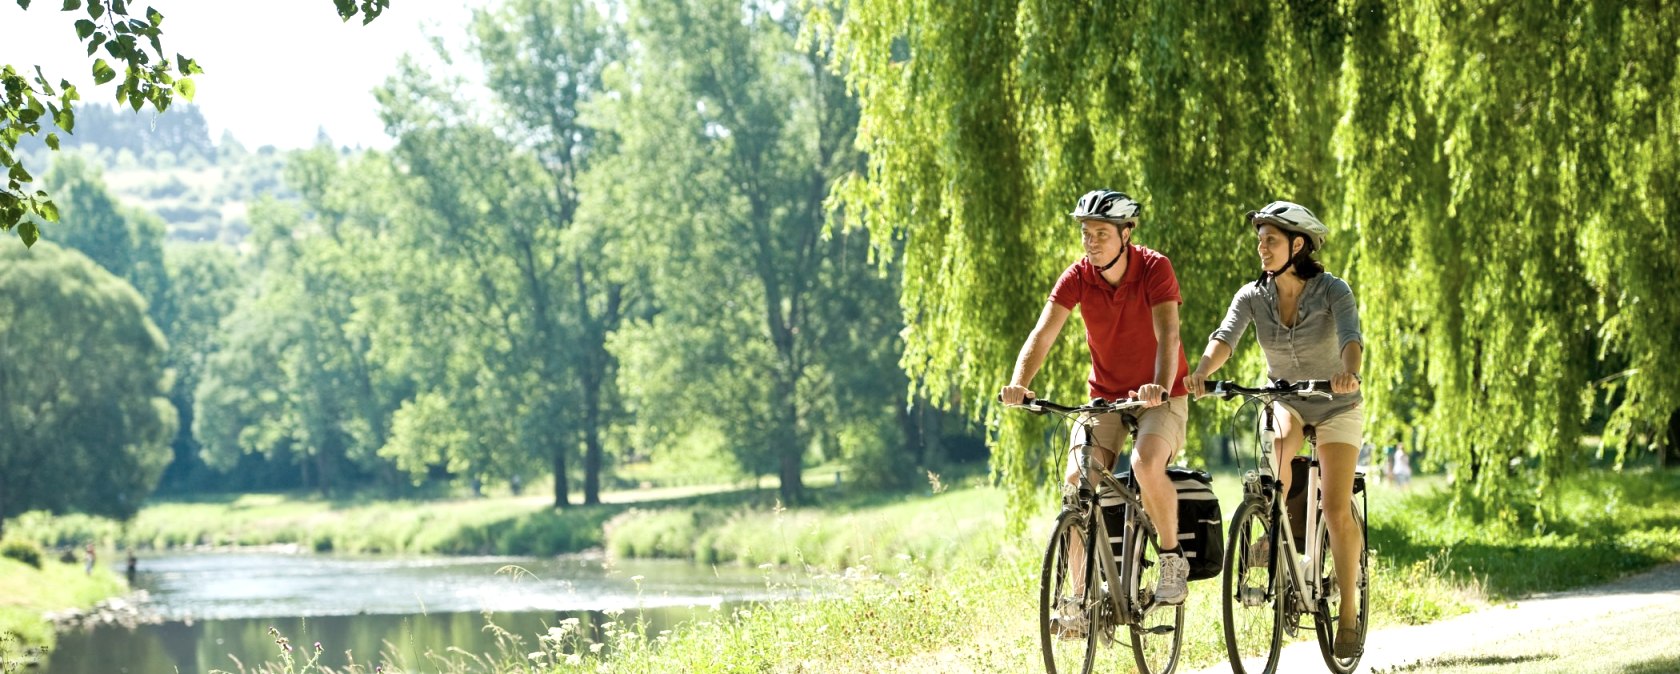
x=1486, y=170
x=732, y=132
x=84, y=424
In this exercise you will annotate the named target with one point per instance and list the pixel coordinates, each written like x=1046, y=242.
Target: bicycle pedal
x=1161, y=629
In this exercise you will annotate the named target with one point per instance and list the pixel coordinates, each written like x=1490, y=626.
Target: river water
x=218, y=608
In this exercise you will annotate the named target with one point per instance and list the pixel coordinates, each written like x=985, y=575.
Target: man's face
x=1102, y=240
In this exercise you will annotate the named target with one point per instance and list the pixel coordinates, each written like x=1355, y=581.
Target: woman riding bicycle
x=1308, y=326
x=1129, y=299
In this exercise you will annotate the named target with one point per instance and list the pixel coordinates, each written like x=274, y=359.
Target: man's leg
x=1160, y=498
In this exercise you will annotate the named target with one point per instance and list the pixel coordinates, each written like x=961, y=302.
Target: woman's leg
x=1338, y=462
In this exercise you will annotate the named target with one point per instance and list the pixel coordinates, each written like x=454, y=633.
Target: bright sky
x=274, y=72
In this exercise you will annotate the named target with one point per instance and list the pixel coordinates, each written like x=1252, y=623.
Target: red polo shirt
x=1119, y=324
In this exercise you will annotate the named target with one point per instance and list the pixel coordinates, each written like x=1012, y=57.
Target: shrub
x=23, y=551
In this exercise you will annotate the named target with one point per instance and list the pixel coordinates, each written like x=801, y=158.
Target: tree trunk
x=592, y=443
x=1668, y=453
x=560, y=486
x=790, y=449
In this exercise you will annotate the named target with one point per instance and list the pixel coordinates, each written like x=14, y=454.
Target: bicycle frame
x=1134, y=607
x=1308, y=587
x=1307, y=590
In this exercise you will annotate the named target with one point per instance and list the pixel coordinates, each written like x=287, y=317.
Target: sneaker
x=1175, y=573
x=1258, y=553
x=1350, y=643
x=1070, y=621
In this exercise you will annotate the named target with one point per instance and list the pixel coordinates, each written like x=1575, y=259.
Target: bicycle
x=1280, y=585
x=1083, y=585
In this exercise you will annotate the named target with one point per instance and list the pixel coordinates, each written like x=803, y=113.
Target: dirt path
x=1546, y=632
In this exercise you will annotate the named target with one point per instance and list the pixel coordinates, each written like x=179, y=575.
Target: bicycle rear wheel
x=1067, y=604
x=1158, y=634
x=1251, y=603
x=1330, y=606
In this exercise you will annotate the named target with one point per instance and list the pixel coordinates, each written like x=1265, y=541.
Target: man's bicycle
x=1088, y=591
x=1268, y=593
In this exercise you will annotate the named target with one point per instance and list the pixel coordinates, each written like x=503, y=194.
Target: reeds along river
x=215, y=611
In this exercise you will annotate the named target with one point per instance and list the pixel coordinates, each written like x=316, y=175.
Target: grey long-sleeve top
x=1326, y=320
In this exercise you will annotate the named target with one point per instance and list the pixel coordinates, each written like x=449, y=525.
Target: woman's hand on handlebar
x=1195, y=383
x=1344, y=382
x=1015, y=395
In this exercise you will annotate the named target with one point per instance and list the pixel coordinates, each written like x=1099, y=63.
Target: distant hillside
x=166, y=164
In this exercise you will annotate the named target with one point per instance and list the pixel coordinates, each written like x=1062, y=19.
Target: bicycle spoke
x=1157, y=637
x=1065, y=602
x=1253, y=634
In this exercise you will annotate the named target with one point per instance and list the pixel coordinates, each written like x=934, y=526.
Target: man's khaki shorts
x=1109, y=432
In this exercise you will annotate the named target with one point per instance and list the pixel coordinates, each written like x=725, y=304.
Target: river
x=217, y=609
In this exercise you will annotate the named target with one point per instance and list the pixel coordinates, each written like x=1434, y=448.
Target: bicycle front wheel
x=1159, y=631
x=1332, y=604
x=1252, y=610
x=1067, y=597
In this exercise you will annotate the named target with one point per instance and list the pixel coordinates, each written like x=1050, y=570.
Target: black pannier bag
x=1201, y=525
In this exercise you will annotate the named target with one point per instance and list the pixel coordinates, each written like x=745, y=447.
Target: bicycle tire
x=1329, y=613
x=1157, y=634
x=1062, y=654
x=1251, y=604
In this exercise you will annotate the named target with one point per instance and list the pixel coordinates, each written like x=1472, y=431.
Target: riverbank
x=28, y=594
x=938, y=583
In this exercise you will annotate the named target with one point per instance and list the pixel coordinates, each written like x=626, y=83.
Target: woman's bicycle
x=1267, y=594
x=1088, y=591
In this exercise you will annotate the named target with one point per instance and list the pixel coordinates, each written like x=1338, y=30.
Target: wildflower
x=574, y=659
x=317, y=647
x=536, y=655
x=637, y=579
x=595, y=648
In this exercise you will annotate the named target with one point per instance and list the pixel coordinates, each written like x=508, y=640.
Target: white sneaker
x=1175, y=574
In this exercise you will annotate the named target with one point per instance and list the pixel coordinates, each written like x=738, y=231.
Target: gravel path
x=1539, y=618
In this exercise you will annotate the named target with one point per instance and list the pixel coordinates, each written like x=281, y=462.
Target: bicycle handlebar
x=1098, y=406
x=1308, y=388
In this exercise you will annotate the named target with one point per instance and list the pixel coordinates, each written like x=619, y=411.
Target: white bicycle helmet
x=1292, y=217
x=1107, y=206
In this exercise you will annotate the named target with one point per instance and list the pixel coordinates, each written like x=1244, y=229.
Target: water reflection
x=219, y=607
x=368, y=640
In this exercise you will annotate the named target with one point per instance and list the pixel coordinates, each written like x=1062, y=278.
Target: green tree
x=497, y=194
x=85, y=423
x=294, y=374
x=145, y=76
x=204, y=285
x=732, y=131
x=125, y=241
x=1476, y=163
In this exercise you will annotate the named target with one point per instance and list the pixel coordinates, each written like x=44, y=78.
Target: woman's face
x=1275, y=249
x=1102, y=241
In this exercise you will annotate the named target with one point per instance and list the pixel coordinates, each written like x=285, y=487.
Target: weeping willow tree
x=1490, y=175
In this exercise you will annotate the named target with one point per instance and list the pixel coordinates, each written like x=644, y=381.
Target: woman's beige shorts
x=1346, y=427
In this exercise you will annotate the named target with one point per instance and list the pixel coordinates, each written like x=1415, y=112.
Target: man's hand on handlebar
x=1150, y=395
x=1015, y=395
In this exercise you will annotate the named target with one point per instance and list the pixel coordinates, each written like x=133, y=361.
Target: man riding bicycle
x=1128, y=296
